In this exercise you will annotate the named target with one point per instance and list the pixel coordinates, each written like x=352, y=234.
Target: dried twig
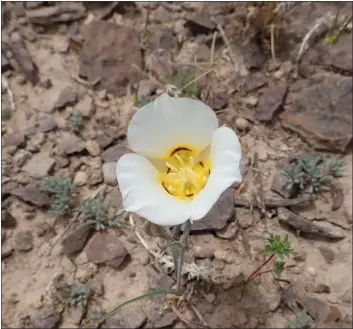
x=196, y=79
x=9, y=92
x=84, y=82
x=305, y=226
x=276, y=203
x=273, y=50
x=213, y=48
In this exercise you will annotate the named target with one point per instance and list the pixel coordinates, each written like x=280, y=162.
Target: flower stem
x=254, y=274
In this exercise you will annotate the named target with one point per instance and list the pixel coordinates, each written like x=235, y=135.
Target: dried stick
x=9, y=92
x=276, y=203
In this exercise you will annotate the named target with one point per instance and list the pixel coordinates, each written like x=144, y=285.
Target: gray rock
x=67, y=96
x=201, y=23
x=17, y=140
x=48, y=125
x=219, y=215
x=70, y=144
x=35, y=143
x=80, y=178
x=46, y=318
x=106, y=248
x=96, y=286
x=242, y=124
x=76, y=239
x=228, y=232
x=21, y=157
x=39, y=165
x=114, y=153
x=133, y=319
x=24, y=240
x=109, y=173
x=86, y=106
x=32, y=195
x=327, y=253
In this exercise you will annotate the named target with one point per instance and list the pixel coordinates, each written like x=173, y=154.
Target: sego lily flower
x=183, y=161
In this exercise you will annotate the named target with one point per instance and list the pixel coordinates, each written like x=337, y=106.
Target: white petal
x=225, y=155
x=143, y=195
x=166, y=123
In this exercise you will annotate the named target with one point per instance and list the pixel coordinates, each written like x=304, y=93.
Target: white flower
x=183, y=161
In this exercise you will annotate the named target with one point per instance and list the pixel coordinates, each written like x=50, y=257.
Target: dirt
x=85, y=57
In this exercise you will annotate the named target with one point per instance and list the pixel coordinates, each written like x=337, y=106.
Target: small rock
x=7, y=220
x=62, y=46
x=146, y=88
x=274, y=303
x=24, y=240
x=347, y=296
x=242, y=124
x=21, y=80
x=76, y=240
x=96, y=286
x=219, y=215
x=17, y=140
x=300, y=256
x=105, y=247
x=163, y=39
x=86, y=272
x=6, y=113
x=133, y=319
x=86, y=106
x=32, y=195
x=21, y=157
x=166, y=320
x=39, y=165
x=6, y=251
x=67, y=265
x=70, y=144
x=225, y=255
x=114, y=153
x=46, y=318
x=61, y=162
x=245, y=219
x=261, y=151
x=35, y=143
x=80, y=178
x=46, y=83
x=102, y=94
x=93, y=148
x=228, y=232
x=201, y=252
x=95, y=178
x=109, y=173
x=327, y=253
x=67, y=96
x=76, y=313
x=48, y=125
x=158, y=280
x=201, y=23
x=271, y=103
x=311, y=271
x=143, y=257
x=322, y=289
x=250, y=100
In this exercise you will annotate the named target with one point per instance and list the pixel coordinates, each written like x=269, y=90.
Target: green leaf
x=278, y=267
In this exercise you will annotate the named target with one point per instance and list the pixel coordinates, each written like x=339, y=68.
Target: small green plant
x=336, y=31
x=276, y=247
x=302, y=320
x=61, y=191
x=312, y=174
x=75, y=121
x=184, y=81
x=96, y=213
x=79, y=293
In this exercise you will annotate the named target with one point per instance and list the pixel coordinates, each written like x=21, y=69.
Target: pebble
x=39, y=165
x=327, y=253
x=80, y=178
x=201, y=252
x=311, y=271
x=21, y=157
x=93, y=148
x=24, y=241
x=242, y=124
x=86, y=106
x=109, y=173
x=48, y=125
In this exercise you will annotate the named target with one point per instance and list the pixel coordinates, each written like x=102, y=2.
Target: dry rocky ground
x=61, y=58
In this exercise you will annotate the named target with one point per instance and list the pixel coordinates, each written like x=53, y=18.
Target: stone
x=228, y=232
x=7, y=220
x=62, y=45
x=106, y=248
x=48, y=125
x=86, y=106
x=166, y=320
x=35, y=143
x=39, y=165
x=322, y=289
x=70, y=144
x=67, y=97
x=132, y=318
x=271, y=102
x=146, y=88
x=250, y=100
x=143, y=257
x=321, y=112
x=158, y=280
x=76, y=314
x=109, y=173
x=114, y=153
x=163, y=39
x=200, y=23
x=17, y=140
x=76, y=239
x=109, y=51
x=5, y=113
x=242, y=124
x=347, y=296
x=225, y=255
x=219, y=101
x=46, y=318
x=219, y=215
x=274, y=303
x=21, y=157
x=327, y=253
x=33, y=195
x=203, y=252
x=93, y=148
x=96, y=286
x=80, y=178
x=23, y=241
x=6, y=251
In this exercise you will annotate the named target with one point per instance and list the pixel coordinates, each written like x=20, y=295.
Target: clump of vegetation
x=337, y=28
x=184, y=82
x=302, y=320
x=313, y=174
x=96, y=213
x=61, y=191
x=276, y=247
x=75, y=121
x=74, y=294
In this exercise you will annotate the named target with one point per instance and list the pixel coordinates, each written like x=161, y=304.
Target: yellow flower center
x=185, y=176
